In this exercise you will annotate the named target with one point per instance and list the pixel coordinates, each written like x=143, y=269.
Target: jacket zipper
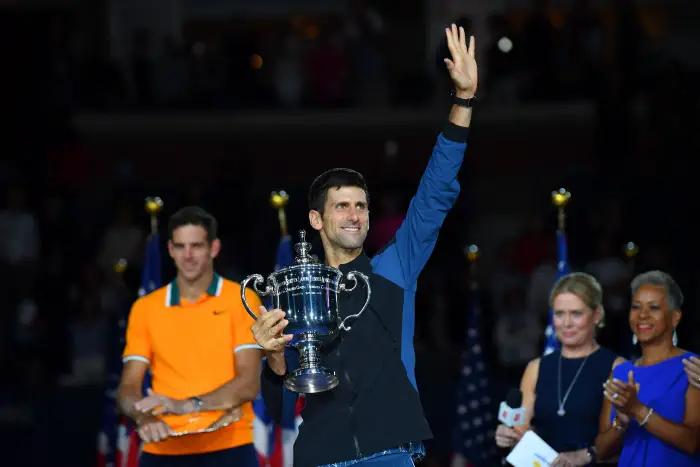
x=356, y=442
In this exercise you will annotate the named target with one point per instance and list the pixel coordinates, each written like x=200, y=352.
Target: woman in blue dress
x=651, y=415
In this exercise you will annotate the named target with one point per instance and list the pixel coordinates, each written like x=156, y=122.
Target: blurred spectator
x=384, y=225
x=534, y=245
x=171, y=73
x=613, y=273
x=122, y=240
x=141, y=62
x=517, y=335
x=587, y=42
x=608, y=266
x=88, y=341
x=289, y=73
x=541, y=52
x=19, y=231
x=540, y=284
x=506, y=276
x=327, y=66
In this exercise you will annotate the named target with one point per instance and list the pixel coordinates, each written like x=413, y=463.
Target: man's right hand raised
x=152, y=429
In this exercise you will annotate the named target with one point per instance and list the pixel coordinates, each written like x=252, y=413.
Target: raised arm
x=438, y=188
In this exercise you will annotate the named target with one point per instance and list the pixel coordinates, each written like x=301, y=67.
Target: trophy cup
x=307, y=292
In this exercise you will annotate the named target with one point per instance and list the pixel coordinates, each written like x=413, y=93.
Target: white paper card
x=531, y=451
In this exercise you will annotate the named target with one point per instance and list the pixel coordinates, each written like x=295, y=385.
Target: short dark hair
x=334, y=178
x=193, y=215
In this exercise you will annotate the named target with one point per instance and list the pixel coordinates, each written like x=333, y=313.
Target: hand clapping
x=623, y=395
x=692, y=369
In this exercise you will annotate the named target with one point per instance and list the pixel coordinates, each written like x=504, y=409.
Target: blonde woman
x=561, y=390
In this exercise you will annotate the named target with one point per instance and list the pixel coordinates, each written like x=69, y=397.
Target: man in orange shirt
x=194, y=336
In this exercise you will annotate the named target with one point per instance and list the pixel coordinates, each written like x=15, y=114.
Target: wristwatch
x=462, y=102
x=196, y=403
x=592, y=454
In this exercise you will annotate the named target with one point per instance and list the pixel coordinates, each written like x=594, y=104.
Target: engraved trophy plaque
x=307, y=292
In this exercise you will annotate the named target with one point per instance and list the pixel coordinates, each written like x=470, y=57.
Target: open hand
x=624, y=396
x=462, y=66
x=267, y=330
x=692, y=368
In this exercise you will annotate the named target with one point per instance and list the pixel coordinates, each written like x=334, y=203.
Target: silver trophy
x=307, y=292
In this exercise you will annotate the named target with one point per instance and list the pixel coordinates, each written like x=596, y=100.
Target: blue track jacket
x=376, y=405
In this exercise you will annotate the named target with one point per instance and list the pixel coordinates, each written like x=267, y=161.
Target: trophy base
x=311, y=380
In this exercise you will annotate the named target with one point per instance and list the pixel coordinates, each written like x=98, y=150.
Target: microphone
x=510, y=412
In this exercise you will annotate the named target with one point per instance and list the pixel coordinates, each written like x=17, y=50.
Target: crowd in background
x=541, y=54
x=59, y=248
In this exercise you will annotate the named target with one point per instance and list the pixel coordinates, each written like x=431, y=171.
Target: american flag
x=118, y=444
x=473, y=439
x=551, y=342
x=275, y=442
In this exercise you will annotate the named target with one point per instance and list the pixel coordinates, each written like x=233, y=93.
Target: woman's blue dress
x=662, y=387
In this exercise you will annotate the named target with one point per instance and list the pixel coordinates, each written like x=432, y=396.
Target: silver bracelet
x=646, y=419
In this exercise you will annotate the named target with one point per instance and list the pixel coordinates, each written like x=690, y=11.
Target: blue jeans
x=241, y=456
x=396, y=457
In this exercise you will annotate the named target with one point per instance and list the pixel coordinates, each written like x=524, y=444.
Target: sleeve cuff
x=271, y=376
x=247, y=346
x=455, y=133
x=137, y=358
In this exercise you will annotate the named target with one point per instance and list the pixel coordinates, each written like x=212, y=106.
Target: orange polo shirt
x=191, y=349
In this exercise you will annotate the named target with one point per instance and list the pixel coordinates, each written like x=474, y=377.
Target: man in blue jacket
x=375, y=414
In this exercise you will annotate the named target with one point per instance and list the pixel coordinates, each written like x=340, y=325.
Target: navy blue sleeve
x=271, y=386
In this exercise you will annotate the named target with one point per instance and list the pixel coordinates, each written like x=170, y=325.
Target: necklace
x=561, y=412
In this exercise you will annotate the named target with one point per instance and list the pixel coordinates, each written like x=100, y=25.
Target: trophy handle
x=258, y=280
x=343, y=288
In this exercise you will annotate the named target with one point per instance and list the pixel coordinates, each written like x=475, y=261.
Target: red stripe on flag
x=277, y=456
x=134, y=449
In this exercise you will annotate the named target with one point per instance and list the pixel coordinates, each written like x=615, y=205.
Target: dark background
x=220, y=103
